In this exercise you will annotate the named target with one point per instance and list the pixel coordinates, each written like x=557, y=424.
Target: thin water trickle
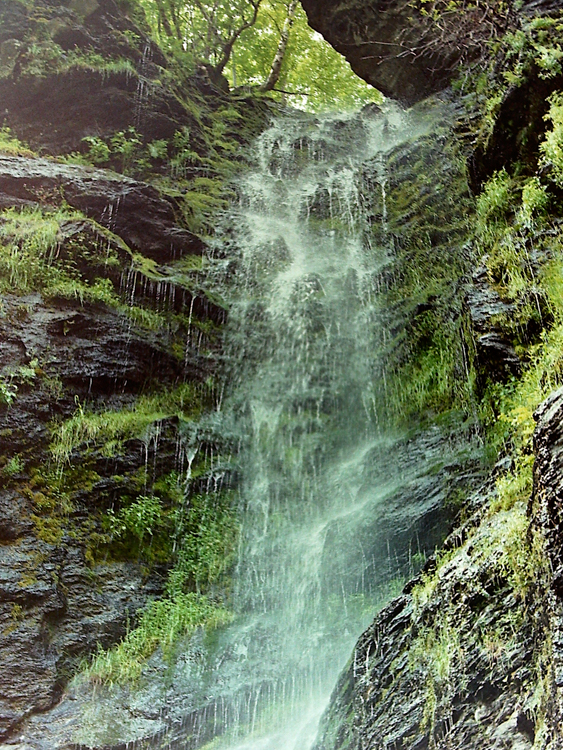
x=299, y=270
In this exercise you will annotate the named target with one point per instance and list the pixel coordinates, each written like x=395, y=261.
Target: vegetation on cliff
x=110, y=359
x=468, y=655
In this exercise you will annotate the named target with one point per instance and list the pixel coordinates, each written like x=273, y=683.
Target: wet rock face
x=133, y=210
x=50, y=607
x=378, y=39
x=56, y=91
x=496, y=357
x=466, y=657
x=549, y=477
x=548, y=514
x=55, y=605
x=423, y=675
x=62, y=592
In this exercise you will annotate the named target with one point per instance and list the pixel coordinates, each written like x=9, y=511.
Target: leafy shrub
x=8, y=391
x=535, y=200
x=142, y=518
x=14, y=466
x=206, y=536
x=10, y=145
x=552, y=148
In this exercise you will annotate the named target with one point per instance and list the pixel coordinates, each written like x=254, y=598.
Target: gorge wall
x=110, y=164
x=113, y=166
x=468, y=656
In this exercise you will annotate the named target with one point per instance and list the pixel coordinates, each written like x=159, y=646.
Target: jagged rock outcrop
x=145, y=219
x=408, y=50
x=379, y=41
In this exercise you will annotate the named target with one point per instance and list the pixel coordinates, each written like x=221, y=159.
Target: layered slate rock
x=470, y=654
x=63, y=592
x=495, y=355
x=56, y=91
x=426, y=675
x=135, y=211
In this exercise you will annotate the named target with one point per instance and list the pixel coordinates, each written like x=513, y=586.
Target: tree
x=281, y=54
x=275, y=70
x=207, y=29
x=262, y=44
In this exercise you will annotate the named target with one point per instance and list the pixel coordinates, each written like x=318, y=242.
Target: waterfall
x=335, y=507
x=297, y=264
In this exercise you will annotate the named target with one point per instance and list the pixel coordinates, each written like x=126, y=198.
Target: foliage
x=552, y=147
x=110, y=428
x=45, y=58
x=10, y=145
x=8, y=391
x=536, y=44
x=14, y=466
x=313, y=75
x=429, y=381
x=162, y=624
x=141, y=518
x=206, y=532
x=29, y=246
x=206, y=29
x=522, y=248
x=199, y=535
x=335, y=84
x=125, y=152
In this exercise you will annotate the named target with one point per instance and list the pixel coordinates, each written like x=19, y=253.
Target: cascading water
x=300, y=274
x=330, y=503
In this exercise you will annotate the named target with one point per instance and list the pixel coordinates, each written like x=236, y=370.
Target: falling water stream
x=300, y=271
x=330, y=502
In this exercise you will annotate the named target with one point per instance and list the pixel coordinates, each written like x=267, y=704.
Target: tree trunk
x=275, y=70
x=163, y=18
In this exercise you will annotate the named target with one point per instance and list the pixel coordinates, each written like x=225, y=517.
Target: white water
x=300, y=272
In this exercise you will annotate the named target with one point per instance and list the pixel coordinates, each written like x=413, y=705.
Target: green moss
x=499, y=558
x=107, y=430
x=11, y=146
x=49, y=529
x=14, y=466
x=45, y=58
x=206, y=533
x=161, y=626
x=30, y=241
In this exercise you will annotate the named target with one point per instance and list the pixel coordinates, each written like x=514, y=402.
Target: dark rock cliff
x=400, y=47
x=108, y=318
x=101, y=315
